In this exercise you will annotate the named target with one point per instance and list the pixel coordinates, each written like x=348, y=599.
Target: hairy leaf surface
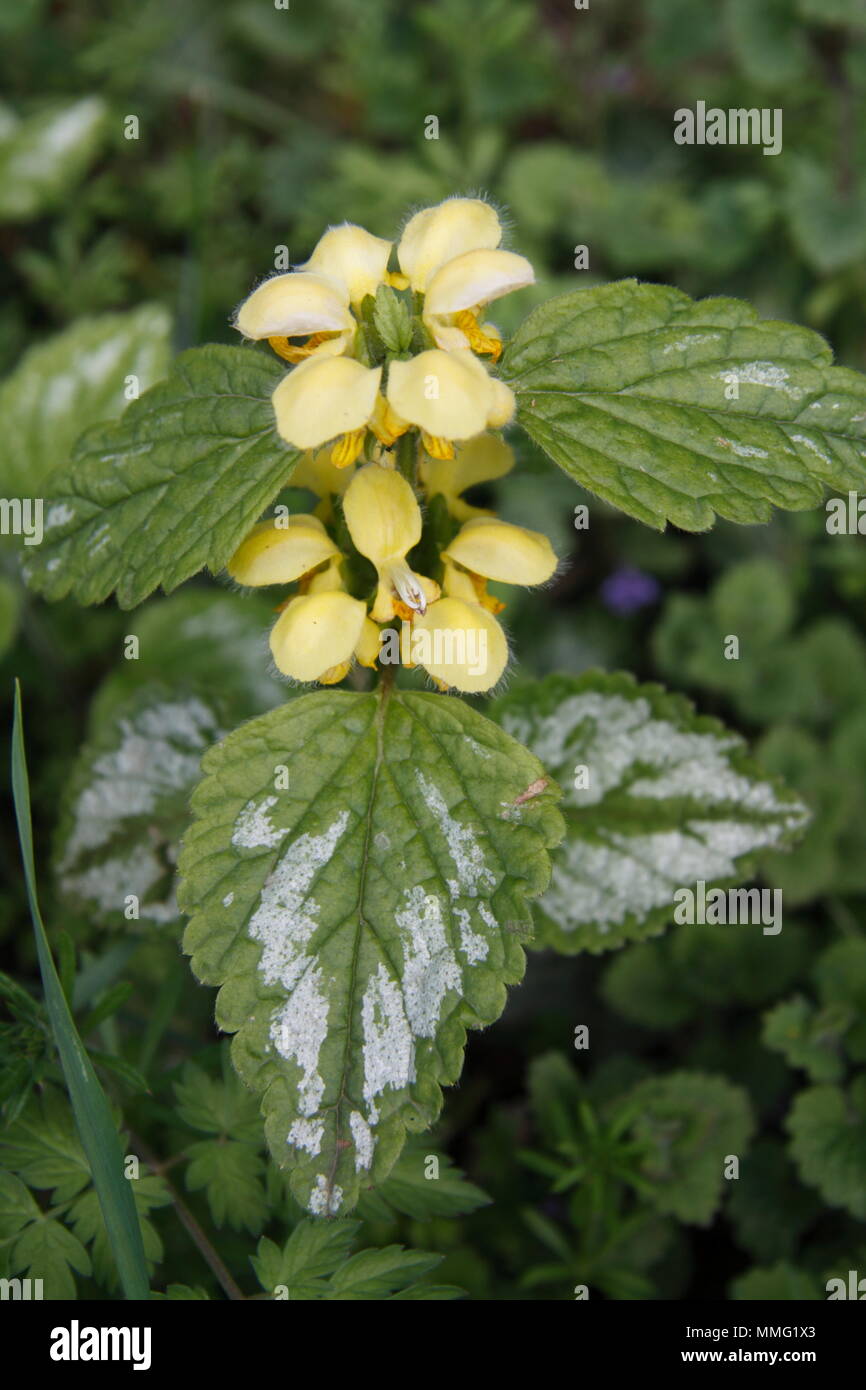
x=362, y=917
x=171, y=488
x=673, y=410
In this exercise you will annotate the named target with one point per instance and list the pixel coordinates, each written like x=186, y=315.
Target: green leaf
x=311, y=1255
x=828, y=1143
x=754, y=601
x=43, y=1148
x=827, y=223
x=230, y=1174
x=43, y=156
x=768, y=41
x=50, y=1252
x=689, y=1124
x=74, y=380
x=314, y=1265
x=418, y=1188
x=93, y=1117
x=782, y=1282
x=86, y=1218
x=218, y=1105
x=125, y=806
x=768, y=1207
x=393, y=321
x=17, y=1207
x=624, y=386
x=808, y=1039
x=361, y=919
x=172, y=487
x=841, y=978
x=380, y=1274
x=671, y=800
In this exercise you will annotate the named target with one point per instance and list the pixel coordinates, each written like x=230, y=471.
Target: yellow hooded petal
x=352, y=258
x=323, y=398
x=482, y=459
x=317, y=633
x=367, y=649
x=460, y=644
x=476, y=278
x=277, y=552
x=295, y=306
x=449, y=395
x=440, y=233
x=382, y=514
x=498, y=550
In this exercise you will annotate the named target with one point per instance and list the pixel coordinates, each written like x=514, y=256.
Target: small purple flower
x=628, y=590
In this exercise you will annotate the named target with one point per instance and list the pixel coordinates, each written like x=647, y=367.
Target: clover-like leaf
x=673, y=410
x=656, y=798
x=781, y=1282
x=171, y=488
x=690, y=1124
x=357, y=875
x=828, y=1142
x=807, y=1038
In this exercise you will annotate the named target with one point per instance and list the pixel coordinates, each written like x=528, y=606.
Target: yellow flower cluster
x=443, y=621
x=451, y=267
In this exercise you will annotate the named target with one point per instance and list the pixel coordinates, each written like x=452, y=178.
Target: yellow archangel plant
x=396, y=416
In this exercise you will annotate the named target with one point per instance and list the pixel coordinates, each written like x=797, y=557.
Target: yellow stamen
x=479, y=341
x=396, y=280
x=437, y=447
x=294, y=352
x=347, y=448
x=479, y=584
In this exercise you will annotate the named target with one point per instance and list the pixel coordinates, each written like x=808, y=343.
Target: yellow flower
x=316, y=636
x=313, y=301
x=449, y=396
x=486, y=548
x=460, y=645
x=326, y=399
x=462, y=287
x=279, y=552
x=481, y=460
x=298, y=306
x=497, y=550
x=352, y=259
x=384, y=521
x=449, y=254
x=438, y=234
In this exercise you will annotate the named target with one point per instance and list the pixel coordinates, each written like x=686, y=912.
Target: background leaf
x=671, y=800
x=72, y=381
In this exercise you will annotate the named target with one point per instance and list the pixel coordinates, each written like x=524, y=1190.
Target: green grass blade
x=92, y=1113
